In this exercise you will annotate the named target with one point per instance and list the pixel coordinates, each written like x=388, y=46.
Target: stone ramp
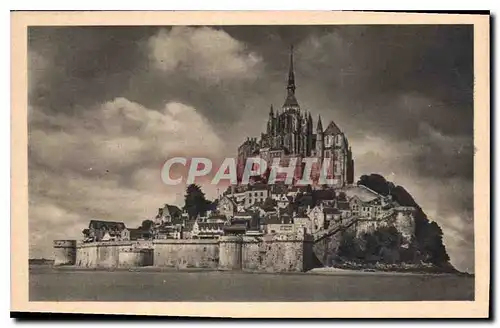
x=334, y=229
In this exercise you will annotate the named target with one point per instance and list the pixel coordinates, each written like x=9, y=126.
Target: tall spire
x=291, y=75
x=291, y=101
x=271, y=111
x=319, y=128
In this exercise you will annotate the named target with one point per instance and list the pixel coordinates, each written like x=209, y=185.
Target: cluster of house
x=267, y=209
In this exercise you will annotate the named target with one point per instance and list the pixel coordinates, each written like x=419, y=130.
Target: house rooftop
x=109, y=225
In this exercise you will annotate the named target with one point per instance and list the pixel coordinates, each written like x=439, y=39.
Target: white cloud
x=106, y=163
x=120, y=133
x=206, y=53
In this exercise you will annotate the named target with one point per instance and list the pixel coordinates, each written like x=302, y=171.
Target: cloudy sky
x=108, y=105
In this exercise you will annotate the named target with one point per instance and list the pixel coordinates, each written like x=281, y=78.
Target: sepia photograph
x=275, y=161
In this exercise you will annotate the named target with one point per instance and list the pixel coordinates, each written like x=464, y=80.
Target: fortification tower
x=230, y=256
x=64, y=252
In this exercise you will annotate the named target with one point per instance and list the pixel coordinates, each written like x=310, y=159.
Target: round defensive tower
x=64, y=252
x=133, y=257
x=230, y=256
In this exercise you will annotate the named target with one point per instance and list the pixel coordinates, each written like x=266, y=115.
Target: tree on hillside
x=342, y=196
x=349, y=247
x=269, y=204
x=377, y=183
x=429, y=236
x=195, y=202
x=146, y=225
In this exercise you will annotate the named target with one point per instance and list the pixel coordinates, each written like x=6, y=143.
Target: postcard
x=251, y=164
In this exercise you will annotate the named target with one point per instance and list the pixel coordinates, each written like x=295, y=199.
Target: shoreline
x=342, y=271
x=324, y=271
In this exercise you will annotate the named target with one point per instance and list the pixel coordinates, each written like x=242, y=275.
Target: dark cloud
x=104, y=110
x=84, y=65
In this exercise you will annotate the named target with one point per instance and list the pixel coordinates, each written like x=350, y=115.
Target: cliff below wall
x=326, y=249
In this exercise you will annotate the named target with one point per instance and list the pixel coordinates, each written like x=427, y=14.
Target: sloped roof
x=343, y=205
x=273, y=219
x=177, y=220
x=258, y=186
x=236, y=227
x=163, y=229
x=327, y=194
x=109, y=225
x=330, y=210
x=173, y=210
x=217, y=217
x=291, y=101
x=332, y=129
x=205, y=225
x=236, y=221
x=137, y=233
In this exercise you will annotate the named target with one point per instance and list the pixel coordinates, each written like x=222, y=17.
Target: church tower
x=319, y=139
x=290, y=116
x=271, y=123
x=291, y=104
x=292, y=133
x=309, y=136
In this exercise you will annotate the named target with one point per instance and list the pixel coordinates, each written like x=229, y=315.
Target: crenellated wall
x=270, y=253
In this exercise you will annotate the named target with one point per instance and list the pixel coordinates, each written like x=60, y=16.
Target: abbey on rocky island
x=290, y=134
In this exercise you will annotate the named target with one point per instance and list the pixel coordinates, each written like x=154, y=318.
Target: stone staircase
x=319, y=235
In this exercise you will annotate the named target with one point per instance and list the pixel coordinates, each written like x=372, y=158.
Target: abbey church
x=291, y=133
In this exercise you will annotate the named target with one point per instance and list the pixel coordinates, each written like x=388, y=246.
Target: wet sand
x=152, y=284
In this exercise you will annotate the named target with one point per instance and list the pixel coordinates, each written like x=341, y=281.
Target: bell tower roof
x=291, y=101
x=332, y=129
x=291, y=74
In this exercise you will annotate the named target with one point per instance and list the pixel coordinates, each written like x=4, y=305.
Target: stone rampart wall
x=186, y=253
x=271, y=253
x=109, y=254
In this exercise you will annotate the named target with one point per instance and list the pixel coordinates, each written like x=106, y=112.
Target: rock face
x=326, y=249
